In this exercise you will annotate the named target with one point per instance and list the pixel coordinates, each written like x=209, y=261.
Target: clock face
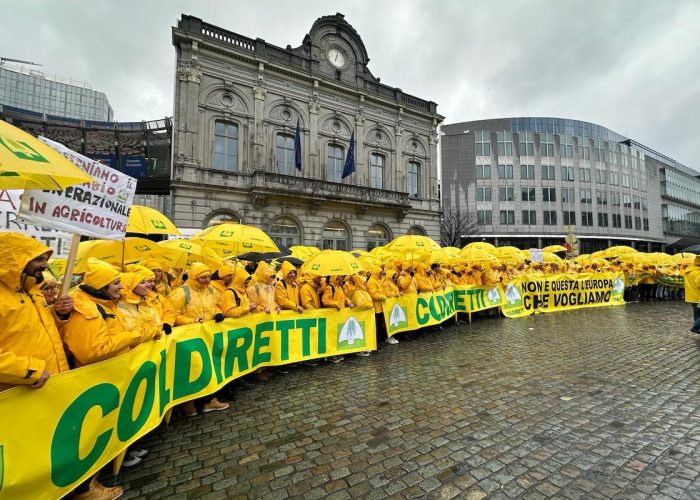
x=336, y=58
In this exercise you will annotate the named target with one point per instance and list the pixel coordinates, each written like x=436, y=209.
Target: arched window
x=226, y=146
x=284, y=158
x=335, y=237
x=414, y=179
x=376, y=170
x=220, y=217
x=334, y=164
x=377, y=236
x=284, y=231
x=417, y=230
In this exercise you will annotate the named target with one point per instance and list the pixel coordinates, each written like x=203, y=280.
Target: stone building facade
x=237, y=104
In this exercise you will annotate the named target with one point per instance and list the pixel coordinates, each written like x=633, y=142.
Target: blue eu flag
x=297, y=147
x=349, y=167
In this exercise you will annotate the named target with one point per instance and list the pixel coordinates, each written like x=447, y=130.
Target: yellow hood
x=263, y=272
x=196, y=270
x=287, y=267
x=16, y=251
x=239, y=279
x=99, y=274
x=130, y=281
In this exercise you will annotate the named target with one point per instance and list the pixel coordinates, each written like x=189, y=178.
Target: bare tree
x=456, y=225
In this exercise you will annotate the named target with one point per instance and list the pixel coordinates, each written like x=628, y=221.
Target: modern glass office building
x=32, y=90
x=526, y=180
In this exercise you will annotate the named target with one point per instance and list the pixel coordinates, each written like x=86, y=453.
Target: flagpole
x=72, y=254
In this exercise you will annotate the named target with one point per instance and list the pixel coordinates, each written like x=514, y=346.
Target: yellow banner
x=51, y=439
x=473, y=298
x=529, y=294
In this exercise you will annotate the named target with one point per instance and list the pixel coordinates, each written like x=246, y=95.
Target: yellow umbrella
x=453, y=252
x=617, y=251
x=147, y=220
x=182, y=253
x=681, y=258
x=477, y=255
x=554, y=248
x=117, y=252
x=412, y=243
x=358, y=253
x=28, y=163
x=550, y=257
x=369, y=261
x=236, y=238
x=508, y=254
x=480, y=245
x=441, y=257
x=331, y=263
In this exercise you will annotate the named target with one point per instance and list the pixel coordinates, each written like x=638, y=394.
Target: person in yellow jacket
x=389, y=286
x=160, y=271
x=230, y=283
x=136, y=313
x=31, y=349
x=437, y=280
x=376, y=290
x=96, y=329
x=161, y=304
x=423, y=283
x=197, y=300
x=355, y=290
x=261, y=290
x=691, y=283
x=50, y=288
x=406, y=280
x=309, y=292
x=287, y=289
x=332, y=294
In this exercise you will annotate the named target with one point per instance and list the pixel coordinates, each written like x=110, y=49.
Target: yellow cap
x=198, y=269
x=226, y=270
x=99, y=274
x=145, y=272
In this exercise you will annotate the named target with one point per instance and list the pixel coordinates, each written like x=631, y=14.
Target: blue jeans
x=696, y=317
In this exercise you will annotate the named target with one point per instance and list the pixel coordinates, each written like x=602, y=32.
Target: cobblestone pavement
x=597, y=403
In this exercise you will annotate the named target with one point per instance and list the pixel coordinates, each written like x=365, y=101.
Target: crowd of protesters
x=110, y=312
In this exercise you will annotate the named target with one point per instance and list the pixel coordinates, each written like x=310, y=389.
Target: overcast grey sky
x=632, y=66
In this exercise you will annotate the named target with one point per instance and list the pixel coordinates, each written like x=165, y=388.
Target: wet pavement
x=597, y=403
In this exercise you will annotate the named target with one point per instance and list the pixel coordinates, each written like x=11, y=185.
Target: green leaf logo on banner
x=158, y=224
x=351, y=334
x=398, y=318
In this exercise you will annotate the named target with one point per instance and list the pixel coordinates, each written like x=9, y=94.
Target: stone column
x=259, y=93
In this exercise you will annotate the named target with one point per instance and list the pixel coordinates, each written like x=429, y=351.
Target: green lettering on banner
x=163, y=391
x=235, y=352
x=262, y=341
x=217, y=351
x=126, y=427
x=306, y=325
x=433, y=310
x=66, y=465
x=321, y=335
x=458, y=299
x=182, y=385
x=421, y=304
x=449, y=302
x=284, y=327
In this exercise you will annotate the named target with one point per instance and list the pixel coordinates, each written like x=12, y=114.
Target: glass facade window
x=376, y=171
x=602, y=197
x=617, y=221
x=377, y=236
x=529, y=217
x=483, y=217
x=568, y=195
x=567, y=173
x=566, y=146
x=335, y=237
x=526, y=146
x=602, y=220
x=614, y=179
x=284, y=158
x=601, y=176
x=627, y=201
x=636, y=203
x=628, y=222
x=584, y=150
x=547, y=145
x=680, y=187
x=226, y=146
x=569, y=218
x=586, y=197
x=483, y=194
x=549, y=194
x=483, y=171
x=638, y=223
x=507, y=217
x=505, y=171
x=548, y=172
x=527, y=171
x=625, y=180
x=587, y=219
x=482, y=143
x=615, y=199
x=646, y=224
x=505, y=143
x=506, y=193
x=612, y=153
x=550, y=217
x=528, y=194
x=584, y=174
x=284, y=231
x=334, y=163
x=599, y=149
x=414, y=179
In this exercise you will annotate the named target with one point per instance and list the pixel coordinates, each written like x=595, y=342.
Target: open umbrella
x=477, y=255
x=147, y=220
x=183, y=252
x=117, y=252
x=412, y=243
x=554, y=248
x=291, y=259
x=617, y=251
x=480, y=245
x=331, y=263
x=234, y=239
x=28, y=163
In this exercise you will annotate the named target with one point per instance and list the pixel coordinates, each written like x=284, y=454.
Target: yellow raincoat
x=193, y=301
x=423, y=283
x=308, y=294
x=234, y=299
x=375, y=289
x=137, y=314
x=333, y=296
x=260, y=293
x=406, y=283
x=691, y=280
x=286, y=292
x=354, y=288
x=29, y=340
